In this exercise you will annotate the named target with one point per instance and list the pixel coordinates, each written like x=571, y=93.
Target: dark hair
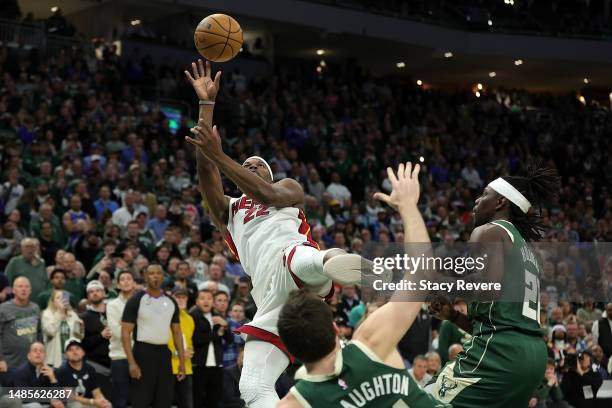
x=219, y=293
x=183, y=263
x=205, y=291
x=55, y=271
x=550, y=362
x=305, y=326
x=193, y=245
x=540, y=185
x=124, y=271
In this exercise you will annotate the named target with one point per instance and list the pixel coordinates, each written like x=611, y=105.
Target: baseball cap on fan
x=71, y=341
x=94, y=284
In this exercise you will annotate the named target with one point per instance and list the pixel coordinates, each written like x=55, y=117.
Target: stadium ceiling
x=433, y=68
x=379, y=56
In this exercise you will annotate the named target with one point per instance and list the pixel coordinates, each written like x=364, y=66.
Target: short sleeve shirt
x=152, y=315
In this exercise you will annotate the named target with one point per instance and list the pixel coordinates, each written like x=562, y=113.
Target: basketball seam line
x=217, y=34
x=230, y=27
x=229, y=30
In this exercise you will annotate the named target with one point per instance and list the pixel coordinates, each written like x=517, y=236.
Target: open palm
x=206, y=88
x=406, y=188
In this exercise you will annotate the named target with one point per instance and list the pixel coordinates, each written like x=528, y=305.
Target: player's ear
x=336, y=329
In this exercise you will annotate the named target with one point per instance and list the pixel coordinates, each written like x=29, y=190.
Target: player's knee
x=330, y=253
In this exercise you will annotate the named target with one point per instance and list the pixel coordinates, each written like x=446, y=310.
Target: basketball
x=218, y=37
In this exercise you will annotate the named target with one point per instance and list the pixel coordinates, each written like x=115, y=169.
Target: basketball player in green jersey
x=504, y=361
x=369, y=371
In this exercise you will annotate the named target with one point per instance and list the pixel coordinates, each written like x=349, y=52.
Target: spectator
x=148, y=314
x=34, y=373
x=471, y=176
x=159, y=223
x=80, y=376
x=434, y=363
x=418, y=371
x=10, y=192
x=59, y=323
x=57, y=279
x=453, y=350
x=105, y=207
x=588, y=312
x=19, y=326
x=75, y=221
x=197, y=266
x=602, y=332
x=215, y=276
x=45, y=214
x=600, y=362
x=573, y=341
x=183, y=389
x=231, y=380
x=210, y=331
x=348, y=300
x=129, y=211
x=29, y=265
x=316, y=188
x=580, y=383
x=338, y=191
x=548, y=394
x=180, y=281
x=120, y=373
x=97, y=334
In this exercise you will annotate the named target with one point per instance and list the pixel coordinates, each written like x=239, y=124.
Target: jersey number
x=531, y=296
x=250, y=214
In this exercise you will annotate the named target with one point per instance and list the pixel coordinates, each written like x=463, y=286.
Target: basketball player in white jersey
x=266, y=230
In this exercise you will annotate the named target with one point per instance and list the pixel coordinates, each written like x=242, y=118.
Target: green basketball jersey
x=520, y=281
x=361, y=379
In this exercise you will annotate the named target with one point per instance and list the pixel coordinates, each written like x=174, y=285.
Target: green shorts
x=496, y=370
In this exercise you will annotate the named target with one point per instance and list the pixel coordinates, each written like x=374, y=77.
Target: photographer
x=580, y=383
x=548, y=394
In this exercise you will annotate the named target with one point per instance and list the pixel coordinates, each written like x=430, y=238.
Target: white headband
x=264, y=162
x=511, y=193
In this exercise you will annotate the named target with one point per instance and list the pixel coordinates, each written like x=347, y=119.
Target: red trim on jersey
x=305, y=229
x=230, y=244
x=297, y=280
x=266, y=336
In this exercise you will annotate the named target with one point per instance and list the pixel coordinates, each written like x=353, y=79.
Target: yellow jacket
x=187, y=328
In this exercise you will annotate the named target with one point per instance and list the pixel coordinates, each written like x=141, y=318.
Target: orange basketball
x=218, y=37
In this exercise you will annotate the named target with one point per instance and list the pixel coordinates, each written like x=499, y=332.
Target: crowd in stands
x=94, y=183
x=551, y=17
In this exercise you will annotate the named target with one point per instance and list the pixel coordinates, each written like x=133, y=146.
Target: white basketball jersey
x=258, y=234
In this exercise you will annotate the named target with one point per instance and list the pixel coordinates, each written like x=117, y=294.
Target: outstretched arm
x=285, y=193
x=382, y=330
x=209, y=178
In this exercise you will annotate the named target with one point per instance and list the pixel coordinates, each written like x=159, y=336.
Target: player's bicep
x=287, y=193
x=383, y=329
x=493, y=249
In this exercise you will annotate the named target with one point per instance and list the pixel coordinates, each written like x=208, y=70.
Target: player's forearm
x=249, y=183
x=211, y=188
x=205, y=114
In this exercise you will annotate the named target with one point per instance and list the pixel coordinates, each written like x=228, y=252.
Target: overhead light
x=610, y=96
x=582, y=100
x=479, y=86
x=585, y=80
x=421, y=159
x=240, y=49
x=518, y=62
x=319, y=69
x=448, y=54
x=320, y=52
x=492, y=74
x=322, y=63
x=419, y=82
x=401, y=64
x=477, y=94
x=135, y=22
x=54, y=9
x=490, y=23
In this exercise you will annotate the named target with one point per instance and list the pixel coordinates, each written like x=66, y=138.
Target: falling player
x=369, y=371
x=267, y=231
x=505, y=359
